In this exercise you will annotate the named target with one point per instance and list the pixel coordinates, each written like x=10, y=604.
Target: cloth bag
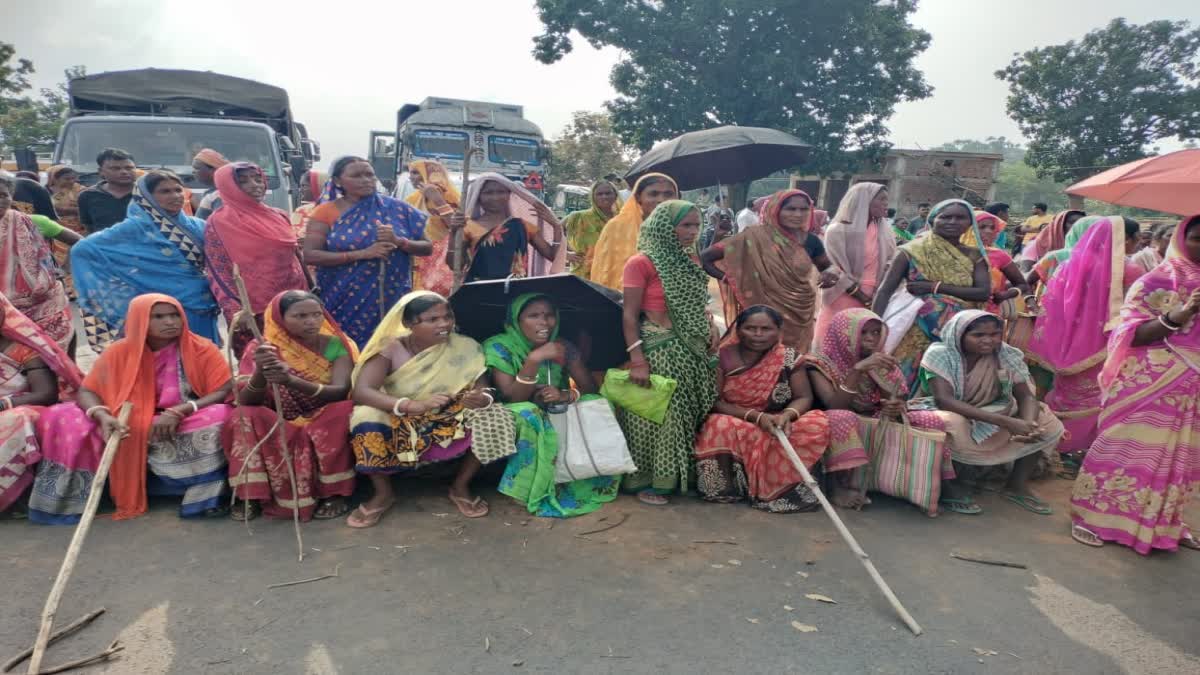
x=590, y=442
x=905, y=462
x=899, y=316
x=649, y=402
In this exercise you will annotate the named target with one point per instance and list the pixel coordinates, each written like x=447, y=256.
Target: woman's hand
x=163, y=427
x=378, y=250
x=457, y=221
x=892, y=407
x=639, y=374
x=384, y=233
x=549, y=395
x=435, y=402
x=477, y=398
x=551, y=351
x=878, y=360
x=1005, y=295
x=1020, y=428
x=828, y=279
x=110, y=425
x=1184, y=314
x=920, y=287
x=769, y=423
x=575, y=259
x=266, y=356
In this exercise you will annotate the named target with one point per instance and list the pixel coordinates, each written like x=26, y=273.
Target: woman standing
x=1144, y=466
x=155, y=249
x=1079, y=309
x=946, y=275
x=533, y=369
x=28, y=277
x=361, y=243
x=256, y=238
x=177, y=382
x=1152, y=256
x=309, y=359
x=438, y=197
x=584, y=227
x=413, y=385
x=772, y=265
x=1043, y=271
x=63, y=183
x=499, y=228
x=669, y=333
x=764, y=387
x=33, y=369
x=619, y=240
x=1052, y=237
x=1007, y=282
x=982, y=390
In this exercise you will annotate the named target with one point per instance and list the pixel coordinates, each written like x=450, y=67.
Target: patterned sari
x=736, y=458
x=358, y=294
x=663, y=453
x=529, y=474
x=317, y=432
x=29, y=279
x=66, y=206
x=431, y=273
x=190, y=463
x=934, y=259
x=1144, y=466
x=583, y=229
x=505, y=250
x=19, y=448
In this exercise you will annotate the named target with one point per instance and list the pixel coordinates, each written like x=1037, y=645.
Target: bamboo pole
x=81, y=532
x=456, y=235
x=850, y=540
x=280, y=421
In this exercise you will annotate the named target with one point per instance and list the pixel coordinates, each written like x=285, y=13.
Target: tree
x=588, y=149
x=13, y=79
x=829, y=72
x=1106, y=99
x=29, y=122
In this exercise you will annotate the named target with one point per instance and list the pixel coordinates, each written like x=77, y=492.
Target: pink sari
x=1070, y=338
x=1136, y=481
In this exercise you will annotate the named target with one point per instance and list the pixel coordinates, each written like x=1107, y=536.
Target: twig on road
x=624, y=517
x=714, y=541
x=309, y=581
x=79, y=623
x=112, y=650
x=985, y=561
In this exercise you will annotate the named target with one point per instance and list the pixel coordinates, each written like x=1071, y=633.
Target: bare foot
x=846, y=498
x=652, y=498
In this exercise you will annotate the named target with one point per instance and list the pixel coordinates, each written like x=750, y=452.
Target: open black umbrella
x=585, y=309
x=722, y=155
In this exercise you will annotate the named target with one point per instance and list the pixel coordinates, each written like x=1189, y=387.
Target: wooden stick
x=81, y=532
x=334, y=575
x=985, y=561
x=456, y=235
x=79, y=623
x=850, y=540
x=280, y=421
x=624, y=517
x=115, y=648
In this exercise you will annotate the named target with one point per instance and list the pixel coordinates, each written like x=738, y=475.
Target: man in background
x=204, y=165
x=104, y=204
x=747, y=217
x=1033, y=224
x=917, y=225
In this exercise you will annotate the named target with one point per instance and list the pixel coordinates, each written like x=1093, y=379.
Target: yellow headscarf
x=433, y=173
x=447, y=368
x=618, y=241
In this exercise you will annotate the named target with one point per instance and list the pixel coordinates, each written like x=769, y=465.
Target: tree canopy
x=588, y=149
x=26, y=121
x=828, y=72
x=1104, y=100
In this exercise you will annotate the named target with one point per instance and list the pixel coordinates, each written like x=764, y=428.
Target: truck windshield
x=155, y=143
x=508, y=149
x=439, y=144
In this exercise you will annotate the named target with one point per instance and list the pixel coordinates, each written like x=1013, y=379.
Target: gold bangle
x=848, y=391
x=746, y=415
x=89, y=411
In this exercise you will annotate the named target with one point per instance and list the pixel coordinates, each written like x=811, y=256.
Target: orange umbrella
x=1169, y=183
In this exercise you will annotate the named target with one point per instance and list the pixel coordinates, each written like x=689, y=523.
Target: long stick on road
x=81, y=532
x=850, y=540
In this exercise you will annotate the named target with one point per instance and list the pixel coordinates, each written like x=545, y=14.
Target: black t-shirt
x=813, y=246
x=31, y=198
x=98, y=209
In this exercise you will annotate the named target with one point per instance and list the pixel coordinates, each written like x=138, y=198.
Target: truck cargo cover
x=188, y=92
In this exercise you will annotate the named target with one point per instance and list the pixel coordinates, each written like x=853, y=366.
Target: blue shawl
x=148, y=252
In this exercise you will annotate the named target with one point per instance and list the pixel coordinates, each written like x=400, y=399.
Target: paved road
x=192, y=596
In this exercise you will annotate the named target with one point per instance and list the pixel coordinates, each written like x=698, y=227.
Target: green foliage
x=1106, y=99
x=588, y=149
x=14, y=79
x=33, y=122
x=828, y=72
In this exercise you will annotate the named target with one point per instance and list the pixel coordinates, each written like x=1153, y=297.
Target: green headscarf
x=507, y=351
x=685, y=283
x=1072, y=239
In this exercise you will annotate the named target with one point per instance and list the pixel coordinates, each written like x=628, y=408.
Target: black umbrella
x=722, y=155
x=585, y=309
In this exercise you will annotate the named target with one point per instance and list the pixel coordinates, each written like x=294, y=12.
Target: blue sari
x=148, y=252
x=352, y=292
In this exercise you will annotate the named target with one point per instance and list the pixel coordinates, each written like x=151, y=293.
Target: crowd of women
x=921, y=370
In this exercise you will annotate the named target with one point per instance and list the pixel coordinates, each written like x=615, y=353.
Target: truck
x=498, y=135
x=163, y=117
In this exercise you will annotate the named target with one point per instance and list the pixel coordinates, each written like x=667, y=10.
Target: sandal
x=1086, y=537
x=239, y=511
x=1190, y=542
x=1030, y=503
x=652, y=498
x=470, y=508
x=328, y=509
x=362, y=517
x=962, y=505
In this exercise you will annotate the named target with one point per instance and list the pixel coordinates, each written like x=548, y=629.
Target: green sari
x=583, y=229
x=529, y=475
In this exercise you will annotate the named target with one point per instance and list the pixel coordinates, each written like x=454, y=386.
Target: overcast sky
x=349, y=66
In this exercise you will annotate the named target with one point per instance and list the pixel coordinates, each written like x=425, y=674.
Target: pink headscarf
x=845, y=240
x=1082, y=302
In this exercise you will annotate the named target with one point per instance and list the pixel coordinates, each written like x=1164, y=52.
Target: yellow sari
x=431, y=272
x=618, y=240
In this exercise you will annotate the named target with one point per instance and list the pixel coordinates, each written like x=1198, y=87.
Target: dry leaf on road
x=821, y=598
x=803, y=627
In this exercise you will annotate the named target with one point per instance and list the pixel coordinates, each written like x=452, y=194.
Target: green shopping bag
x=649, y=402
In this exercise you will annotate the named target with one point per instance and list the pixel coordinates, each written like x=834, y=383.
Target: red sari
x=318, y=437
x=735, y=458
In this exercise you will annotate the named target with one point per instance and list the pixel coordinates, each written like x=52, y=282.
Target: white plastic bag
x=590, y=443
x=900, y=315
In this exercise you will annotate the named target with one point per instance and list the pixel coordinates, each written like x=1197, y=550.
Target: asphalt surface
x=430, y=592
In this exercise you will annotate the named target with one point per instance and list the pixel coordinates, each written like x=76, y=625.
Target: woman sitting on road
x=764, y=387
x=618, y=240
x=532, y=369
x=177, y=382
x=669, y=333
x=309, y=359
x=500, y=226
x=981, y=389
x=413, y=385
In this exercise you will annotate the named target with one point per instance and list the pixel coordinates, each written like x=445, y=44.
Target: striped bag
x=905, y=462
